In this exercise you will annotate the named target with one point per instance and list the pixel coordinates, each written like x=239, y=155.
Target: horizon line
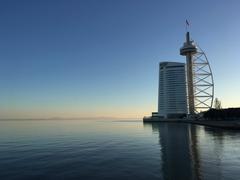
x=73, y=118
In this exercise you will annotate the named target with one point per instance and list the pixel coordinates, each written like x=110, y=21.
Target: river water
x=105, y=149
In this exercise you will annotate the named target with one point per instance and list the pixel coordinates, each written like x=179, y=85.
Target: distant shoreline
x=60, y=119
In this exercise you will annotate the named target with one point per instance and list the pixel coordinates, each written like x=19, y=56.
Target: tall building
x=200, y=86
x=188, y=50
x=172, y=95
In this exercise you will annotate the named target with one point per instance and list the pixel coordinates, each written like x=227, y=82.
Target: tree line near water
x=222, y=114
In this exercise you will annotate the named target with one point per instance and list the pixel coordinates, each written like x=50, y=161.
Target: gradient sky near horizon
x=98, y=58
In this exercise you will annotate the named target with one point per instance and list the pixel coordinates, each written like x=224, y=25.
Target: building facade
x=172, y=95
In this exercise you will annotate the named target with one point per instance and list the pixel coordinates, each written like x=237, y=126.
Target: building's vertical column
x=159, y=90
x=190, y=77
x=190, y=84
x=188, y=50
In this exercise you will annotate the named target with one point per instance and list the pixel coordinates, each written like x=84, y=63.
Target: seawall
x=225, y=124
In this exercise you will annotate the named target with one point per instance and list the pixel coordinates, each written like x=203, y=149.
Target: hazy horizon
x=76, y=118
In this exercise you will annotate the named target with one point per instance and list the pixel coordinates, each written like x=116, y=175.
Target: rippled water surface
x=77, y=149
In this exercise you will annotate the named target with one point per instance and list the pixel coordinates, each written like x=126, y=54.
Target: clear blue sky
x=100, y=57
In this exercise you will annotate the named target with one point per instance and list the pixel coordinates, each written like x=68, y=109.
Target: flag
x=187, y=23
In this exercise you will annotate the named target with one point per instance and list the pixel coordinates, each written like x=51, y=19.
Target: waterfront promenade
x=226, y=124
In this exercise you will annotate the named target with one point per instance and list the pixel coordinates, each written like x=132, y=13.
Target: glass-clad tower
x=172, y=95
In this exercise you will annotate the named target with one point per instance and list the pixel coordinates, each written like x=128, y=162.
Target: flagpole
x=187, y=25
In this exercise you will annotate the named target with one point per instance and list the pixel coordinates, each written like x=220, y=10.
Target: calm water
x=72, y=149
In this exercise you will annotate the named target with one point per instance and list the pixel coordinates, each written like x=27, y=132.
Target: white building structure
x=172, y=95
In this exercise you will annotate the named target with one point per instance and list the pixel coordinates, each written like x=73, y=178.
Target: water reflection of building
x=179, y=151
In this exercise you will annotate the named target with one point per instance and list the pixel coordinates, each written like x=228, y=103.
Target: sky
x=99, y=58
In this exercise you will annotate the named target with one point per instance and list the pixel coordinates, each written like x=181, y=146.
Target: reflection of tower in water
x=194, y=152
x=180, y=159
